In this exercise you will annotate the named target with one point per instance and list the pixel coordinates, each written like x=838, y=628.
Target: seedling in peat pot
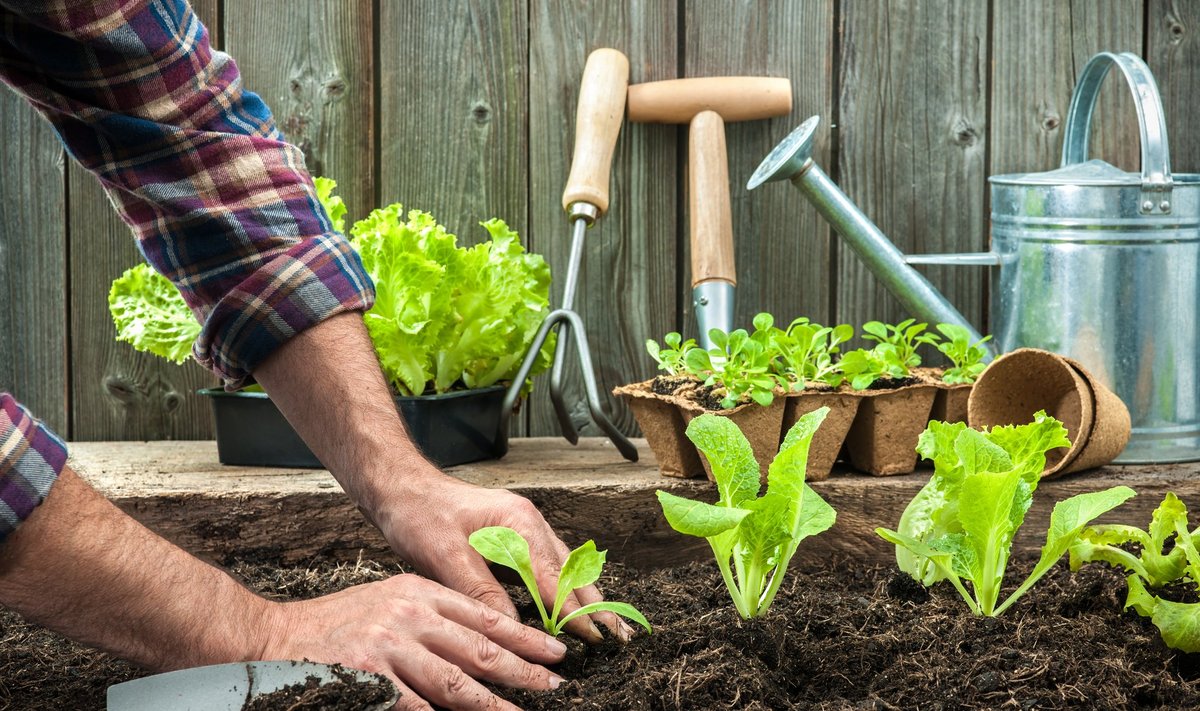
x=737, y=364
x=806, y=351
x=966, y=358
x=903, y=339
x=752, y=538
x=504, y=546
x=671, y=356
x=961, y=525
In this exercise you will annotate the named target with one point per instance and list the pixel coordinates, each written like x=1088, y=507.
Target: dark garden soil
x=847, y=637
x=347, y=692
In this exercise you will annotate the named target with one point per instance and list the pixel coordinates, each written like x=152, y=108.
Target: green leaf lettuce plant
x=151, y=315
x=807, y=353
x=753, y=538
x=738, y=365
x=960, y=527
x=1167, y=554
x=504, y=546
x=966, y=358
x=671, y=356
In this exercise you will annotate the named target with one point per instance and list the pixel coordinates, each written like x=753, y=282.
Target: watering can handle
x=1156, y=156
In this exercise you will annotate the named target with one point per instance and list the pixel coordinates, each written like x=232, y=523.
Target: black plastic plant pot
x=452, y=428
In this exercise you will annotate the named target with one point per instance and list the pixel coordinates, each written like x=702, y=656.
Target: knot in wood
x=965, y=134
x=172, y=401
x=481, y=112
x=334, y=88
x=1176, y=30
x=120, y=388
x=1051, y=122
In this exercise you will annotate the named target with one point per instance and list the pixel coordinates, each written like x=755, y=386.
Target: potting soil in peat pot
x=847, y=636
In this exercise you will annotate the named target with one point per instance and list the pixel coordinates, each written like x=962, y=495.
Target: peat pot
x=452, y=428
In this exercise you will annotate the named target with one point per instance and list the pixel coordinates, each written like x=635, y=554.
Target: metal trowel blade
x=223, y=687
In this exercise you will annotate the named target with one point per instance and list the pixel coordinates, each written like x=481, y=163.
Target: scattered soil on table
x=845, y=637
x=348, y=692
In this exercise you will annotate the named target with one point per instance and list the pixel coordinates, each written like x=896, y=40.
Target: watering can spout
x=792, y=160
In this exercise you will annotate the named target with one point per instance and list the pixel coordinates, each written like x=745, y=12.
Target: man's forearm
x=328, y=383
x=83, y=568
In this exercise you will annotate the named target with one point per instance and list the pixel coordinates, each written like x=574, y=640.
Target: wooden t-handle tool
x=706, y=104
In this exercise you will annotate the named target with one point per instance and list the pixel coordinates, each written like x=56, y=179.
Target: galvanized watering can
x=1087, y=260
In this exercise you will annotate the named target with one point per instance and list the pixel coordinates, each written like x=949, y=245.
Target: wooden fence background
x=466, y=109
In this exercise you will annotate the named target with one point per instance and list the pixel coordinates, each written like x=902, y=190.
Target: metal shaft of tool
x=877, y=252
x=574, y=264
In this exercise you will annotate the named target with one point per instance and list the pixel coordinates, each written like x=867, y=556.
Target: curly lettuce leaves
x=334, y=206
x=151, y=315
x=447, y=316
x=961, y=526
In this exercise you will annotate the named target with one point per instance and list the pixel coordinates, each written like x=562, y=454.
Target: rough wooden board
x=913, y=117
x=33, y=293
x=178, y=489
x=1173, y=53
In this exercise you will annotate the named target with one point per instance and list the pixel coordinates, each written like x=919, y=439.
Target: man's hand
x=327, y=382
x=425, y=638
x=433, y=515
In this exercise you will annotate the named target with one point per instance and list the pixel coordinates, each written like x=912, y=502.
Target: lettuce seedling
x=966, y=358
x=1168, y=554
x=962, y=523
x=806, y=353
x=672, y=357
x=902, y=340
x=752, y=538
x=862, y=367
x=504, y=546
x=737, y=364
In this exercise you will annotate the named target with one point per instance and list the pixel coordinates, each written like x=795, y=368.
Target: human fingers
x=408, y=699
x=521, y=639
x=446, y=685
x=470, y=576
x=481, y=658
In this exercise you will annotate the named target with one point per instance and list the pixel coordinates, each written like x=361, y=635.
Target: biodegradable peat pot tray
x=762, y=426
x=663, y=427
x=828, y=440
x=950, y=404
x=883, y=438
x=452, y=428
x=1018, y=384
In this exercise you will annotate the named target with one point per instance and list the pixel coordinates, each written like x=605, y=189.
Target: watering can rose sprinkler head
x=792, y=160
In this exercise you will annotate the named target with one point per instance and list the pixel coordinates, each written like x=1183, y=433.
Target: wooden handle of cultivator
x=708, y=201
x=734, y=98
x=597, y=122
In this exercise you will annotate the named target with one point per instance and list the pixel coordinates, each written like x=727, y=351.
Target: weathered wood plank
x=117, y=393
x=1173, y=52
x=627, y=285
x=912, y=127
x=312, y=63
x=1038, y=50
x=782, y=245
x=585, y=492
x=33, y=284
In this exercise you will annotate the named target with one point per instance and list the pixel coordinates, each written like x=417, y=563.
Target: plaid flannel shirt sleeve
x=31, y=458
x=218, y=201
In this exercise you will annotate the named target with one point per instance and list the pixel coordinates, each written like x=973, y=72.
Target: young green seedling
x=1167, y=553
x=806, y=352
x=961, y=525
x=903, y=339
x=966, y=358
x=752, y=538
x=671, y=358
x=737, y=364
x=504, y=546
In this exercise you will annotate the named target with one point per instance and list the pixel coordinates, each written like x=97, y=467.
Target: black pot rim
x=453, y=394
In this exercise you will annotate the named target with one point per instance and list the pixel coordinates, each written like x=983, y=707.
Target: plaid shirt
x=218, y=201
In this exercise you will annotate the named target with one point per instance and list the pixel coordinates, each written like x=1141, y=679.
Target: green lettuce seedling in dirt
x=902, y=339
x=806, y=353
x=1166, y=554
x=966, y=358
x=504, y=546
x=960, y=526
x=753, y=538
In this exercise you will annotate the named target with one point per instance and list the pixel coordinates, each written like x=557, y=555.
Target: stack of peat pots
x=877, y=428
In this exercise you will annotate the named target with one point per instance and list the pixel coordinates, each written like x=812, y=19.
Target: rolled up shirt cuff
x=308, y=283
x=31, y=458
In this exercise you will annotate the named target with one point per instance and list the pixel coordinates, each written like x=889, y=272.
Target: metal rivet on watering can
x=703, y=301
x=1165, y=205
x=1147, y=206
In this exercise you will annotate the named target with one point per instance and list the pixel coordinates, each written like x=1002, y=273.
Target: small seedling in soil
x=806, y=353
x=1168, y=557
x=738, y=366
x=901, y=339
x=960, y=526
x=504, y=546
x=966, y=358
x=670, y=357
x=752, y=538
